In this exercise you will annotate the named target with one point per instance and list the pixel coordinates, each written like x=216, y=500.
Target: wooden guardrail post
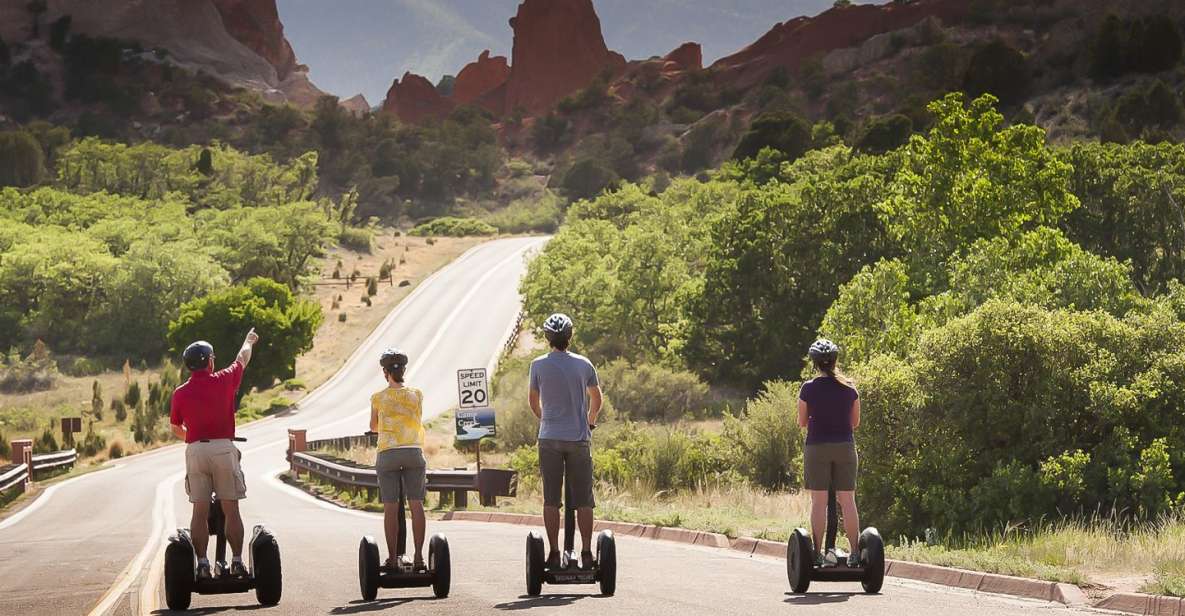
x=22, y=453
x=297, y=441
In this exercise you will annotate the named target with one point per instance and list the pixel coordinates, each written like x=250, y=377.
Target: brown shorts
x=213, y=468
x=826, y=464
x=566, y=463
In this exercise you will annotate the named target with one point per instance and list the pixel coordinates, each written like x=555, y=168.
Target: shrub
x=358, y=239
x=1148, y=44
x=84, y=366
x=47, y=442
x=341, y=317
x=587, y=178
x=997, y=69
x=372, y=286
x=36, y=372
x=92, y=443
x=517, y=425
x=115, y=450
x=22, y=162
x=294, y=385
x=453, y=227
x=541, y=214
x=783, y=131
x=120, y=409
x=885, y=133
x=765, y=441
x=654, y=393
x=131, y=397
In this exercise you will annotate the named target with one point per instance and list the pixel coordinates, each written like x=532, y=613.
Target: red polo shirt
x=205, y=404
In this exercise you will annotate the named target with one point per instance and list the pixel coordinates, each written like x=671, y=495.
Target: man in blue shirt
x=566, y=397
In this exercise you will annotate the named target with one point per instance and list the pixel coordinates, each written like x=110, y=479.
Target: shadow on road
x=526, y=602
x=819, y=598
x=201, y=611
x=359, y=607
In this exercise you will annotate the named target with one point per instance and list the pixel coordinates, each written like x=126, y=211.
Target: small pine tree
x=205, y=162
x=372, y=286
x=120, y=409
x=97, y=401
x=132, y=396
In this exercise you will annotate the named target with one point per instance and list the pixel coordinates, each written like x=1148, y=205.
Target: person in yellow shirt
x=396, y=415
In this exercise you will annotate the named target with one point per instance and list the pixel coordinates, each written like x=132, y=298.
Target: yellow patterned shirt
x=399, y=417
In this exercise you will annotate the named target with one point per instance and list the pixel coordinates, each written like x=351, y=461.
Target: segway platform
x=800, y=557
x=372, y=575
x=602, y=572
x=181, y=581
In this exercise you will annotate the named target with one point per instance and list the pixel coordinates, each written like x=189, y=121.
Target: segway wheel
x=535, y=558
x=179, y=571
x=872, y=556
x=265, y=567
x=800, y=550
x=607, y=563
x=368, y=568
x=440, y=564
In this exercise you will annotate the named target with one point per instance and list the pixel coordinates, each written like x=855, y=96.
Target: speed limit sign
x=473, y=388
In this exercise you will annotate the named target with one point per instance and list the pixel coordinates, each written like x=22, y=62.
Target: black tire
x=440, y=563
x=607, y=563
x=872, y=556
x=179, y=571
x=800, y=552
x=535, y=561
x=265, y=567
x=368, y=568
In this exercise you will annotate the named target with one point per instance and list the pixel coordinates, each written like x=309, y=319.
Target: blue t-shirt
x=829, y=410
x=562, y=380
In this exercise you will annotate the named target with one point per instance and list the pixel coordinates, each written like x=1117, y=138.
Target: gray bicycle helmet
x=393, y=359
x=197, y=355
x=823, y=351
x=557, y=327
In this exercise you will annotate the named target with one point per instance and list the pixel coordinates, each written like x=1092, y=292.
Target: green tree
x=22, y=161
x=783, y=131
x=998, y=69
x=97, y=401
x=885, y=133
x=286, y=326
x=587, y=178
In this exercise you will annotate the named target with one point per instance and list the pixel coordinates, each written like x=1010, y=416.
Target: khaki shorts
x=213, y=468
x=826, y=464
x=401, y=470
x=570, y=463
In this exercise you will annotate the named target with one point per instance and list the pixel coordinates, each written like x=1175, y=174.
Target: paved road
x=88, y=545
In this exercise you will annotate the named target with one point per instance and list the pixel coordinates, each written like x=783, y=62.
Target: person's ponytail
x=829, y=369
x=396, y=372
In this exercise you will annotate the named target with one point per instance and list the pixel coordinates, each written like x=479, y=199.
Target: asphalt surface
x=93, y=545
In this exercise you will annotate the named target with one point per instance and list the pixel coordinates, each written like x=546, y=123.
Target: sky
x=354, y=46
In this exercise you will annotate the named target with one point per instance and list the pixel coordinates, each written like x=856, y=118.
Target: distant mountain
x=356, y=46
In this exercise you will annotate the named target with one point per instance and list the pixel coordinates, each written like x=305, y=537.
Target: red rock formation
x=256, y=24
x=480, y=77
x=414, y=99
x=558, y=49
x=689, y=56
x=789, y=44
x=357, y=105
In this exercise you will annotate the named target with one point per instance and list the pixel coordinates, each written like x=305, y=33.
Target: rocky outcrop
x=558, y=49
x=357, y=105
x=197, y=34
x=413, y=99
x=480, y=77
x=688, y=57
x=256, y=24
x=789, y=44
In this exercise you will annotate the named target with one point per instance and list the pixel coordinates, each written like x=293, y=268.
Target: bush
x=341, y=317
x=783, y=131
x=372, y=286
x=84, y=366
x=765, y=441
x=22, y=162
x=132, y=396
x=47, y=442
x=885, y=133
x=1140, y=45
x=654, y=393
x=115, y=450
x=1142, y=109
x=587, y=178
x=92, y=443
x=358, y=239
x=36, y=372
x=453, y=227
x=294, y=385
x=120, y=409
x=998, y=69
x=542, y=214
x=517, y=425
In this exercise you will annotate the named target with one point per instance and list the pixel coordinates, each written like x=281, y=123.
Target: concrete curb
x=1138, y=603
x=644, y=531
x=1066, y=594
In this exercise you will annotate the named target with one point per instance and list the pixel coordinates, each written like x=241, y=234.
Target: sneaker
x=238, y=569
x=853, y=561
x=419, y=567
x=553, y=560
x=818, y=559
x=830, y=559
x=586, y=560
x=203, y=572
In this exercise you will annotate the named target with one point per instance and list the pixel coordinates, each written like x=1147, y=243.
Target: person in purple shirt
x=829, y=410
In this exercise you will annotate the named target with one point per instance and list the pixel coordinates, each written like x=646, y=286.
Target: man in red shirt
x=203, y=414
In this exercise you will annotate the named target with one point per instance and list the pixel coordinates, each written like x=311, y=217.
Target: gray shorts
x=568, y=462
x=401, y=469
x=824, y=464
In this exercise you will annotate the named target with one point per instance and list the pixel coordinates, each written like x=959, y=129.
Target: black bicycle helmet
x=557, y=327
x=393, y=359
x=823, y=351
x=197, y=355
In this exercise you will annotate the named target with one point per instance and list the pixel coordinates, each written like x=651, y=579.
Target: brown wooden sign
x=71, y=425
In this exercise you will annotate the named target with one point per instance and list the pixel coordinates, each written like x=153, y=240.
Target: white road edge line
x=42, y=498
x=149, y=592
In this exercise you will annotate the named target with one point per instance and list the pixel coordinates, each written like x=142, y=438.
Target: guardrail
x=13, y=476
x=51, y=462
x=303, y=457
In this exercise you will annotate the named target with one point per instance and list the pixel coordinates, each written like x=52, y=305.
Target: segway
x=373, y=575
x=603, y=570
x=264, y=575
x=800, y=557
